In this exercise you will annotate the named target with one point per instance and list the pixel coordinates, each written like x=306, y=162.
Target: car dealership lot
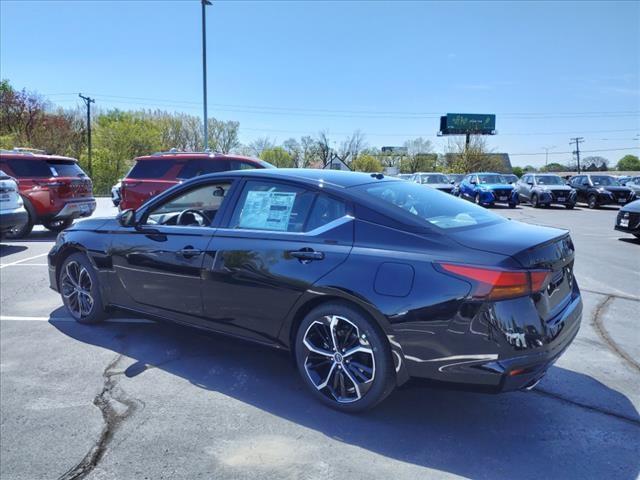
x=135, y=399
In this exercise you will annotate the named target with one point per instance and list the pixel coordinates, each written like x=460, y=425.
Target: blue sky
x=549, y=70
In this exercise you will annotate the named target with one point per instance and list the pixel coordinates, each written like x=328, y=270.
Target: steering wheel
x=193, y=211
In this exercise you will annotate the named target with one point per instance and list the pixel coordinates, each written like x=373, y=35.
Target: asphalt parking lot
x=132, y=399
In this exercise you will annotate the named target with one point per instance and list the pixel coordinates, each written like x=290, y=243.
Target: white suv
x=12, y=212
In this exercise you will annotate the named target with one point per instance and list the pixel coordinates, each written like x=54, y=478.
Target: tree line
x=28, y=119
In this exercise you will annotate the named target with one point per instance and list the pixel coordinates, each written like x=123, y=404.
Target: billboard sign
x=395, y=150
x=463, y=123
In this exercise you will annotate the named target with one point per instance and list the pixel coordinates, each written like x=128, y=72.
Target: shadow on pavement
x=10, y=249
x=505, y=436
x=633, y=240
x=36, y=236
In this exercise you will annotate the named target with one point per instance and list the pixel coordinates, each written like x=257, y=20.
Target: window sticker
x=267, y=210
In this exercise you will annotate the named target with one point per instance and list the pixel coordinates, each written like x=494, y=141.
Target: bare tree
x=419, y=156
x=223, y=136
x=294, y=150
x=324, y=148
x=309, y=151
x=260, y=144
x=463, y=158
x=352, y=146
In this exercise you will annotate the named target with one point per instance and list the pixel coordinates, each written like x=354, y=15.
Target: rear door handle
x=189, y=252
x=307, y=254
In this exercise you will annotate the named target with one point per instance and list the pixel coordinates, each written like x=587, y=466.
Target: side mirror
x=127, y=218
x=473, y=182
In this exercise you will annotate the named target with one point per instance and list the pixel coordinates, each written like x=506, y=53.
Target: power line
x=581, y=151
x=361, y=113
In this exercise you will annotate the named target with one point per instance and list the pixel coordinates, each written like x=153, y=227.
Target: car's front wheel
x=592, y=201
x=78, y=284
x=344, y=358
x=534, y=201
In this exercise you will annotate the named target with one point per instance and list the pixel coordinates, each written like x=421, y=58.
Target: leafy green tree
x=366, y=163
x=629, y=163
x=277, y=156
x=518, y=171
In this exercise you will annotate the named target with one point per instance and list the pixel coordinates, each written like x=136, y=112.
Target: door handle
x=306, y=255
x=189, y=252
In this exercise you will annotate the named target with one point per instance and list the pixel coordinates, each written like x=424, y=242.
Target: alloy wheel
x=340, y=361
x=76, y=289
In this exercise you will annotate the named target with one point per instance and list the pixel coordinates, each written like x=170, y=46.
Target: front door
x=278, y=242
x=159, y=263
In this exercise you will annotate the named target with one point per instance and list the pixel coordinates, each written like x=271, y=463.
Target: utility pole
x=546, y=151
x=88, y=101
x=577, y=141
x=204, y=3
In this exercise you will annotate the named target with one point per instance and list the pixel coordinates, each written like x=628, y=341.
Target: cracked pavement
x=131, y=399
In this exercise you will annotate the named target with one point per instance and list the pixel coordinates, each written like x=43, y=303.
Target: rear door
x=147, y=179
x=279, y=240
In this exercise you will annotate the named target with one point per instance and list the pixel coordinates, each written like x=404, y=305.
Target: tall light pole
x=88, y=101
x=546, y=151
x=204, y=3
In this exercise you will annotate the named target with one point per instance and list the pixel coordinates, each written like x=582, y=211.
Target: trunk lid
x=534, y=247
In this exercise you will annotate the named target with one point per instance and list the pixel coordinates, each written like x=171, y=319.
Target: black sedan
x=628, y=219
x=367, y=280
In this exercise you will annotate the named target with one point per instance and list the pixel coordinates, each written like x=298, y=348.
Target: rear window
x=429, y=205
x=434, y=178
x=29, y=168
x=65, y=168
x=150, y=168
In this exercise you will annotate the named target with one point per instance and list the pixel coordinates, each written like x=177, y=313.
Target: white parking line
x=22, y=260
x=25, y=265
x=4, y=318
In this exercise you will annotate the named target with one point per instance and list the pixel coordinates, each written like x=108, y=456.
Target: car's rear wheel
x=344, y=358
x=78, y=284
x=58, y=225
x=592, y=201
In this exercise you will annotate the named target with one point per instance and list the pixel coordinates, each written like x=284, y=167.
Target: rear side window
x=272, y=206
x=325, y=209
x=150, y=168
x=29, y=168
x=193, y=168
x=65, y=168
x=429, y=205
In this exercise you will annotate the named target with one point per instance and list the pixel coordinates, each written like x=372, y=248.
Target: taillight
x=496, y=284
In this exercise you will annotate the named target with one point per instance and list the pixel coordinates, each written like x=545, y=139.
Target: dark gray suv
x=542, y=190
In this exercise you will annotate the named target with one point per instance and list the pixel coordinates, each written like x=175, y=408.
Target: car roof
x=11, y=155
x=195, y=155
x=310, y=176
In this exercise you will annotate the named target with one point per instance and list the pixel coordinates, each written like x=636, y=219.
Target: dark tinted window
x=430, y=205
x=150, y=168
x=65, y=168
x=193, y=168
x=604, y=180
x=325, y=209
x=29, y=168
x=272, y=206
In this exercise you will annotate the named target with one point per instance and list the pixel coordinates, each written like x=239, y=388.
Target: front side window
x=197, y=207
x=430, y=205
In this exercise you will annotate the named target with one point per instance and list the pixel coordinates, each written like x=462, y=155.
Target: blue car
x=488, y=189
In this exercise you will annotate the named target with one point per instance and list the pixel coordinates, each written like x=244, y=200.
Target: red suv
x=153, y=174
x=55, y=190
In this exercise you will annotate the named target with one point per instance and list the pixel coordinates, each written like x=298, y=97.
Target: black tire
x=58, y=225
x=26, y=228
x=592, y=201
x=476, y=199
x=512, y=205
x=534, y=201
x=74, y=291
x=329, y=376
x=569, y=206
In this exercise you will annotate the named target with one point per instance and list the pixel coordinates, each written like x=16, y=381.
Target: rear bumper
x=501, y=347
x=76, y=209
x=10, y=219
